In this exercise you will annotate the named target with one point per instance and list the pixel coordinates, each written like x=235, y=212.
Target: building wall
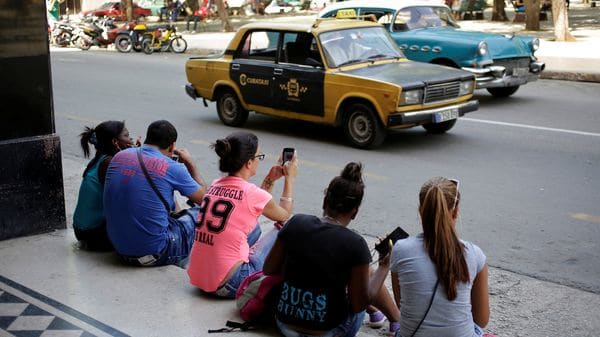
x=31, y=185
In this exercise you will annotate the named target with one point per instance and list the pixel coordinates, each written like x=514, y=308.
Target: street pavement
x=99, y=296
x=575, y=61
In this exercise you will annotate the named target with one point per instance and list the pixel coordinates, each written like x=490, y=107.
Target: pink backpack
x=255, y=296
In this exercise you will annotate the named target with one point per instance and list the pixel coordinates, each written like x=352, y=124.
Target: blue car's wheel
x=503, y=92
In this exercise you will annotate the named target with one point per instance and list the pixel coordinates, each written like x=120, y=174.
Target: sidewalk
x=576, y=61
x=48, y=287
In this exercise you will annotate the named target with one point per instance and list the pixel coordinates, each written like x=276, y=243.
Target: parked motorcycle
x=62, y=34
x=96, y=32
x=164, y=39
x=131, y=38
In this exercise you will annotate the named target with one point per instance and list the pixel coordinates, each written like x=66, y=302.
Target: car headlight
x=410, y=97
x=466, y=88
x=535, y=44
x=482, y=48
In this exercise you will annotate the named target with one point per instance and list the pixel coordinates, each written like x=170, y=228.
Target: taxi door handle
x=235, y=66
x=277, y=71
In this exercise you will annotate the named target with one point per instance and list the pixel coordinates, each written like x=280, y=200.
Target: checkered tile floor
x=21, y=319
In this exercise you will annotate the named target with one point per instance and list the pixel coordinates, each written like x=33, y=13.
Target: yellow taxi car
x=345, y=73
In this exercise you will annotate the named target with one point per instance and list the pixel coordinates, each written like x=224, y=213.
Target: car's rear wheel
x=230, y=110
x=362, y=127
x=123, y=43
x=178, y=45
x=437, y=128
x=503, y=91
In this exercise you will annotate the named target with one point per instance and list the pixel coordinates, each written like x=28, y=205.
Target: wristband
x=286, y=199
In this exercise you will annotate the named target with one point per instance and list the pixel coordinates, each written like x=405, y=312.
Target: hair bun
x=222, y=147
x=352, y=172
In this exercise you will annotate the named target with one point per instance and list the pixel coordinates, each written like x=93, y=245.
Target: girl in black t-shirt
x=327, y=282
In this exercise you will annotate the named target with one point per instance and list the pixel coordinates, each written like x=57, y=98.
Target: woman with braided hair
x=89, y=223
x=440, y=282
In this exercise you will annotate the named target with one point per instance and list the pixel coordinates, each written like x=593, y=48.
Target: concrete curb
x=570, y=76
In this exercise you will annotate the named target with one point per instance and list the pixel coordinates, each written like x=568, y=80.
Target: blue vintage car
x=427, y=32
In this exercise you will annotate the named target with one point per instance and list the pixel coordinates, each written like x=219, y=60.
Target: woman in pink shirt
x=226, y=244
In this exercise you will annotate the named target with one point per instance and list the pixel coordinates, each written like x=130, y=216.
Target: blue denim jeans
x=180, y=237
x=259, y=249
x=348, y=328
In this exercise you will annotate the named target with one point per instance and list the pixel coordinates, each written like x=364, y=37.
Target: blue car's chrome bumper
x=495, y=76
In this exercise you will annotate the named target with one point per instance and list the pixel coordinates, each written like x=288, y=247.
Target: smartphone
x=175, y=157
x=383, y=247
x=288, y=154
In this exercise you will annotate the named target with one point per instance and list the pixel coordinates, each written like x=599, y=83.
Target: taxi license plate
x=520, y=72
x=446, y=115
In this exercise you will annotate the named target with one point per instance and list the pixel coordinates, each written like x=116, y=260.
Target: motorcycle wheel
x=165, y=46
x=63, y=39
x=123, y=43
x=147, y=46
x=83, y=44
x=178, y=45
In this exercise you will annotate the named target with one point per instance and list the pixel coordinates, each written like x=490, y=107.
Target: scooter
x=95, y=33
x=62, y=34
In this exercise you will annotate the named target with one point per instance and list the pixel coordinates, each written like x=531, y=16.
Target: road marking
x=525, y=126
x=308, y=163
x=586, y=217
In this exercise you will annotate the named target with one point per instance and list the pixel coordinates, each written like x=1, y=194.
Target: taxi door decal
x=299, y=89
x=254, y=81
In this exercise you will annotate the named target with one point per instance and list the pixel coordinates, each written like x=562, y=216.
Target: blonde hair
x=438, y=198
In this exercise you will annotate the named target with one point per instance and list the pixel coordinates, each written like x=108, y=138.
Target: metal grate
x=441, y=91
x=510, y=64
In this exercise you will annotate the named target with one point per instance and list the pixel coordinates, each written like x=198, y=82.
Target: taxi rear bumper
x=429, y=115
x=191, y=91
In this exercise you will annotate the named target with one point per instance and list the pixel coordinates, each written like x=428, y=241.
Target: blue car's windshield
x=347, y=46
x=417, y=17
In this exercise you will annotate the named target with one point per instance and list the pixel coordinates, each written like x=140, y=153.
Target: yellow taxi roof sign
x=346, y=14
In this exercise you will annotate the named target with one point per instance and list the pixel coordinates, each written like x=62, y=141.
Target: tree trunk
x=224, y=16
x=498, y=12
x=129, y=10
x=532, y=14
x=560, y=18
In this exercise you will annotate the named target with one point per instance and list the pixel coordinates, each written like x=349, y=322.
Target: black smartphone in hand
x=287, y=155
x=383, y=247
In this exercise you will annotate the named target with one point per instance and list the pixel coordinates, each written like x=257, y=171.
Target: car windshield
x=342, y=47
x=417, y=17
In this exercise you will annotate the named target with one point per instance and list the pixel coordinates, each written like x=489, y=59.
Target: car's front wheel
x=503, y=91
x=437, y=128
x=230, y=110
x=362, y=127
